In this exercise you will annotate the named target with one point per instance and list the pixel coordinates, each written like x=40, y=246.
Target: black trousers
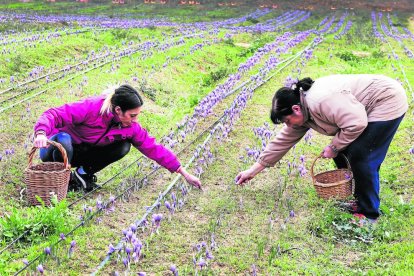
x=91, y=158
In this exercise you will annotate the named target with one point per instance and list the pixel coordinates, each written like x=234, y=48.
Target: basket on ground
x=336, y=184
x=48, y=178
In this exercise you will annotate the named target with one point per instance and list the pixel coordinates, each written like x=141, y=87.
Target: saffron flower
x=156, y=219
x=174, y=270
x=40, y=269
x=202, y=263
x=125, y=262
x=111, y=249
x=72, y=247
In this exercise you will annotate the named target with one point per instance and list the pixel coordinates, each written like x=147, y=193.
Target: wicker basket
x=336, y=184
x=48, y=178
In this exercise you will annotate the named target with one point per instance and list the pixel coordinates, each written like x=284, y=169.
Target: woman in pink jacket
x=361, y=112
x=98, y=131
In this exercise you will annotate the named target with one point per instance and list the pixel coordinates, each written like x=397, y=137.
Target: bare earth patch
x=361, y=54
x=244, y=45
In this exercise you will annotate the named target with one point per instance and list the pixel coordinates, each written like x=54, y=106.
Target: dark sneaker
x=85, y=181
x=73, y=184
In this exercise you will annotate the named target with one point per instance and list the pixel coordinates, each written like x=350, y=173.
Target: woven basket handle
x=319, y=156
x=58, y=146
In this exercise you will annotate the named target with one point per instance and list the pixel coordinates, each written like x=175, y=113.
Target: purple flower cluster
x=345, y=30
x=264, y=134
x=202, y=255
x=131, y=249
x=156, y=221
x=374, y=26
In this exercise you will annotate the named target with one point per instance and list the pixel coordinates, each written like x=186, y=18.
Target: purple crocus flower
x=156, y=219
x=111, y=249
x=40, y=269
x=128, y=251
x=62, y=236
x=112, y=199
x=291, y=213
x=202, y=263
x=125, y=262
x=254, y=270
x=142, y=274
x=26, y=262
x=72, y=247
x=209, y=256
x=99, y=204
x=129, y=235
x=174, y=270
x=48, y=251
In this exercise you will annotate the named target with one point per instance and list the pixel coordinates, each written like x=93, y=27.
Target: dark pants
x=366, y=155
x=91, y=158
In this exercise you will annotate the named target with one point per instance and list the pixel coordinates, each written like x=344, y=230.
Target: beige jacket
x=340, y=106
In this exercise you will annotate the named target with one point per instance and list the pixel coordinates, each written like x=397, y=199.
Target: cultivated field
x=207, y=75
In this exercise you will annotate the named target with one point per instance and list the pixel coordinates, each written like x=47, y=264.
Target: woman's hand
x=40, y=141
x=244, y=177
x=328, y=152
x=247, y=175
x=191, y=179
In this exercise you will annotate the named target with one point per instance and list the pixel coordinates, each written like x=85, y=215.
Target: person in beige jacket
x=361, y=112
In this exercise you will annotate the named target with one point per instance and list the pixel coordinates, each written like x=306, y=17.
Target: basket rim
x=332, y=184
x=58, y=146
x=30, y=168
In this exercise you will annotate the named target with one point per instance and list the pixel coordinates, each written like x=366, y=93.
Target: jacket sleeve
x=148, y=146
x=58, y=117
x=281, y=144
x=345, y=111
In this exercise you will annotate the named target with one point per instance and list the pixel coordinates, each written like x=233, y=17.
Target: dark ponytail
x=125, y=96
x=304, y=84
x=286, y=97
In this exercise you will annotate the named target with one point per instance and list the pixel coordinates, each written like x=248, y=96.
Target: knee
x=63, y=138
x=124, y=149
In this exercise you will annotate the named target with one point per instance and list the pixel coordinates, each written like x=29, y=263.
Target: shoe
x=363, y=220
x=350, y=206
x=73, y=184
x=85, y=181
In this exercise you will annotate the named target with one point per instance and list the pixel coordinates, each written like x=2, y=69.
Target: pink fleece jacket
x=82, y=121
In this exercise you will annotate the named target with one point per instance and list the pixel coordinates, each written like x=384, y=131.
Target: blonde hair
x=107, y=107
